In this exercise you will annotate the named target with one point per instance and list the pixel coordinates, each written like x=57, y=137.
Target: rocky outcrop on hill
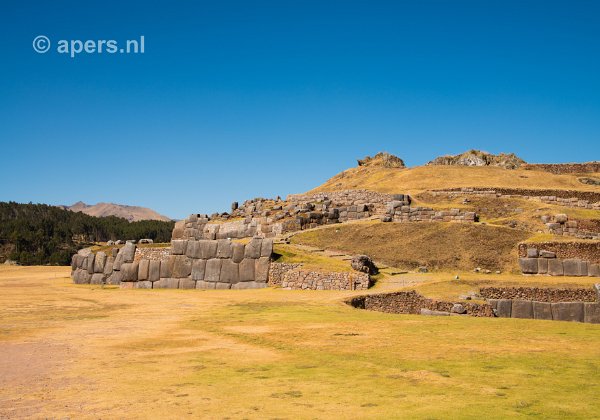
x=382, y=159
x=480, y=158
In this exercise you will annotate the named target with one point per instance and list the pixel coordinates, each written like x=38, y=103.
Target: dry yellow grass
x=423, y=178
x=90, y=352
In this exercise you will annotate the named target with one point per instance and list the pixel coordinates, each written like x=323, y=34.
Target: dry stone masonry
x=400, y=211
x=293, y=276
x=552, y=305
x=567, y=198
x=191, y=264
x=560, y=224
x=560, y=258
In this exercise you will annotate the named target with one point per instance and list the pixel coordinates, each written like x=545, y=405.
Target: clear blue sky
x=233, y=100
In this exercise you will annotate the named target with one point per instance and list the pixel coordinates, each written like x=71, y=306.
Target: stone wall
x=589, y=251
x=411, y=302
x=277, y=271
x=154, y=253
x=560, y=224
x=344, y=198
x=317, y=280
x=192, y=264
x=540, y=294
x=568, y=198
x=401, y=211
x=564, y=168
x=561, y=311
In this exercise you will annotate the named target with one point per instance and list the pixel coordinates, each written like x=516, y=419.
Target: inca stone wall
x=317, y=280
x=401, y=211
x=568, y=198
x=192, y=264
x=560, y=224
x=564, y=168
x=540, y=294
x=277, y=271
x=560, y=258
x=551, y=305
x=411, y=302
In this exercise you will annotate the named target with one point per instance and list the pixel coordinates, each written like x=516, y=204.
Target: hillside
x=433, y=177
x=131, y=213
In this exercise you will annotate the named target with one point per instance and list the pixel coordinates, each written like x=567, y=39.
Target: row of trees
x=41, y=234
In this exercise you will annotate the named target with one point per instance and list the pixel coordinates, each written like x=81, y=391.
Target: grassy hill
x=423, y=178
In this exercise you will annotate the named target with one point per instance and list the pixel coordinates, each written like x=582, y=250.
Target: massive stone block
x=247, y=269
x=198, y=269
x=542, y=310
x=266, y=248
x=591, y=312
x=187, y=284
x=522, y=309
x=224, y=248
x=166, y=267
x=229, y=272
x=547, y=254
x=594, y=270
x=567, y=311
x=213, y=270
x=201, y=284
x=253, y=248
x=261, y=269
x=532, y=253
x=528, y=265
x=504, y=308
x=178, y=230
x=143, y=285
x=249, y=285
x=238, y=252
x=208, y=249
x=154, y=270
x=115, y=278
x=118, y=261
x=583, y=268
x=555, y=267
x=542, y=265
x=128, y=252
x=220, y=285
x=182, y=267
x=97, y=278
x=571, y=267
x=108, y=265
x=178, y=246
x=99, y=262
x=143, y=267
x=90, y=263
x=130, y=271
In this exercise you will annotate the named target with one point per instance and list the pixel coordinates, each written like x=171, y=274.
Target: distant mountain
x=131, y=213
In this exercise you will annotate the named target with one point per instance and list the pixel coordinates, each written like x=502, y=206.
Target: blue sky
x=233, y=100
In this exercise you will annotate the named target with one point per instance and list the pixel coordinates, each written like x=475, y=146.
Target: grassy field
x=90, y=352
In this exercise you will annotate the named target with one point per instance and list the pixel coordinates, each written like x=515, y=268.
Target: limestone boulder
x=187, y=284
x=128, y=252
x=229, y=272
x=364, y=264
x=247, y=269
x=253, y=248
x=99, y=262
x=154, y=270
x=224, y=248
x=178, y=246
x=198, y=269
x=542, y=310
x=528, y=265
x=182, y=267
x=213, y=270
x=522, y=309
x=568, y=311
x=261, y=269
x=555, y=267
x=238, y=250
x=143, y=268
